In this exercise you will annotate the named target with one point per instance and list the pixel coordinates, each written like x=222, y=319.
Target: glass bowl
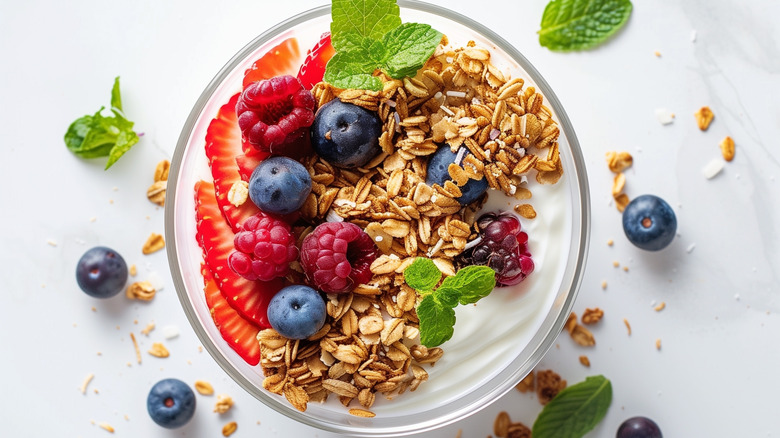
x=496, y=343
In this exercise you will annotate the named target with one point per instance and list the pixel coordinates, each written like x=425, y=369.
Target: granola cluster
x=370, y=342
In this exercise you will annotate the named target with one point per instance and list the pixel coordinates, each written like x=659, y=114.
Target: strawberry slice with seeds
x=246, y=165
x=313, y=68
x=249, y=298
x=223, y=144
x=283, y=59
x=237, y=331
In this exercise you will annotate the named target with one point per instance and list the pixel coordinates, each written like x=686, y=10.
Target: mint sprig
x=576, y=410
x=368, y=35
x=581, y=24
x=96, y=135
x=436, y=309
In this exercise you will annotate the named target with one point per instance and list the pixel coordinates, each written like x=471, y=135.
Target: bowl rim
x=571, y=280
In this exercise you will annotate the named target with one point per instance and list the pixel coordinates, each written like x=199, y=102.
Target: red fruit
x=246, y=165
x=275, y=114
x=249, y=298
x=283, y=59
x=238, y=332
x=265, y=247
x=223, y=143
x=503, y=248
x=313, y=68
x=336, y=256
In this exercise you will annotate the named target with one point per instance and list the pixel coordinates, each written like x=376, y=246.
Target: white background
x=716, y=372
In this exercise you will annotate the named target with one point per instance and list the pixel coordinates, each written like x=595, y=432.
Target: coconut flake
x=332, y=216
x=494, y=133
x=472, y=244
x=435, y=248
x=713, y=168
x=664, y=116
x=447, y=110
x=461, y=153
x=693, y=35
x=391, y=103
x=455, y=93
x=155, y=280
x=170, y=331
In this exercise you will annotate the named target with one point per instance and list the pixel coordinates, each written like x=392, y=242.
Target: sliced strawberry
x=238, y=332
x=249, y=298
x=280, y=60
x=313, y=68
x=246, y=165
x=223, y=144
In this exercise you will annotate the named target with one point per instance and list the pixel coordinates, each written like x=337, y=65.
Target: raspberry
x=336, y=256
x=265, y=247
x=274, y=114
x=503, y=247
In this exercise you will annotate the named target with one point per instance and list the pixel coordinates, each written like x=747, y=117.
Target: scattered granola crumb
x=203, y=387
x=664, y=116
x=727, y=148
x=133, y=270
x=459, y=434
x=149, y=327
x=585, y=361
x=660, y=306
x=93, y=219
x=154, y=243
x=657, y=54
x=713, y=168
x=610, y=242
x=159, y=350
x=704, y=117
x=84, y=384
x=107, y=427
x=96, y=391
x=140, y=290
x=503, y=427
x=625, y=268
x=94, y=309
x=229, y=428
x=224, y=403
x=51, y=242
x=604, y=284
x=361, y=413
x=592, y=316
x=616, y=264
x=548, y=385
x=527, y=384
x=127, y=417
x=658, y=344
x=690, y=248
x=137, y=350
x=110, y=201
x=628, y=326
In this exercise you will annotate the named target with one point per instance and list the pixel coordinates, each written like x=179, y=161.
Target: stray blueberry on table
x=649, y=223
x=171, y=403
x=101, y=272
x=639, y=427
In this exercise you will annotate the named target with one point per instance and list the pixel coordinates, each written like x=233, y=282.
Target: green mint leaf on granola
x=369, y=36
x=370, y=19
x=351, y=70
x=94, y=136
x=581, y=24
x=574, y=411
x=472, y=282
x=408, y=47
x=436, y=321
x=422, y=275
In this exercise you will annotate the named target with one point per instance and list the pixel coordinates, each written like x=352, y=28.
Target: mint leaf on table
x=581, y=24
x=367, y=18
x=422, y=275
x=437, y=321
x=575, y=411
x=94, y=136
x=407, y=47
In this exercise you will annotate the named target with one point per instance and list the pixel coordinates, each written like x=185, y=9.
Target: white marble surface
x=716, y=372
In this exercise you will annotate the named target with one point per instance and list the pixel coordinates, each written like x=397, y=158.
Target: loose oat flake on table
x=375, y=340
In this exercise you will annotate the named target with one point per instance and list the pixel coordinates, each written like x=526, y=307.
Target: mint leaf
x=436, y=322
x=408, y=47
x=472, y=282
x=581, y=24
x=422, y=275
x=94, y=136
x=367, y=18
x=352, y=70
x=574, y=411
x=116, y=98
x=447, y=296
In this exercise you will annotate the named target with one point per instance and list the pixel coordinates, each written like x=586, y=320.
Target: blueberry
x=639, y=427
x=346, y=135
x=171, y=403
x=101, y=272
x=649, y=222
x=279, y=185
x=297, y=312
x=438, y=174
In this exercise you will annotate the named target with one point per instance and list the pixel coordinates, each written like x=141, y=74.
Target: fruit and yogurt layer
x=322, y=198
